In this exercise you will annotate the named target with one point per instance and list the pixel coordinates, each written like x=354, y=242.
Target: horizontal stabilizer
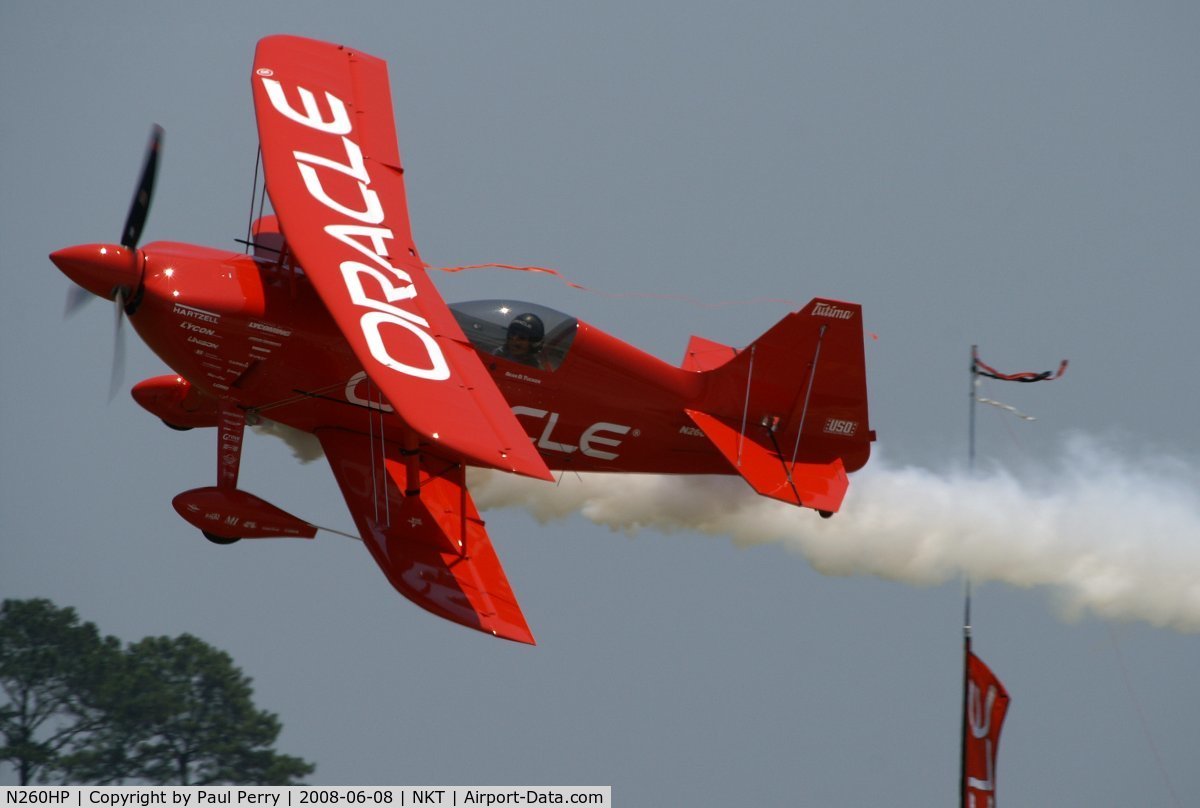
x=820, y=486
x=432, y=546
x=704, y=354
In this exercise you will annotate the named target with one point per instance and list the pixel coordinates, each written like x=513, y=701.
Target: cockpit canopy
x=488, y=323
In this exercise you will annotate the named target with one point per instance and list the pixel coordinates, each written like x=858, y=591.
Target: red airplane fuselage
x=254, y=330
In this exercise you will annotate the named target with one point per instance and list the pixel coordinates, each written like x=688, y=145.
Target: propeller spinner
x=115, y=272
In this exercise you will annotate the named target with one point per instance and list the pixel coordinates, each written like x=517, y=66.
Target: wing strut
x=225, y=513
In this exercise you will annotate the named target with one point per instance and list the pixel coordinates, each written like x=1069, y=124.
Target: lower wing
x=431, y=543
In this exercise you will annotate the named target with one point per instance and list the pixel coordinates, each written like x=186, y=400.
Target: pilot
x=523, y=344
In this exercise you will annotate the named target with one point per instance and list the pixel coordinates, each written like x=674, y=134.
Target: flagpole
x=974, y=395
x=997, y=705
x=962, y=769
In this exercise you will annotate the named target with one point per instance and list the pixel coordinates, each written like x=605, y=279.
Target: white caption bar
x=302, y=796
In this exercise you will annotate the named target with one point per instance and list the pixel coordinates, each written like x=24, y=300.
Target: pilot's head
x=525, y=334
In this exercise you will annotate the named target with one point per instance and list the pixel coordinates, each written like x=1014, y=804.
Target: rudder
x=795, y=403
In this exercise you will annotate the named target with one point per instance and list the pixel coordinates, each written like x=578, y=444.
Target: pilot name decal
x=363, y=235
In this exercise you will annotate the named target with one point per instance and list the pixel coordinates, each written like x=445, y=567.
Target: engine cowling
x=173, y=399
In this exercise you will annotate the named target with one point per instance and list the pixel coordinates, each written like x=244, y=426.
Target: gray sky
x=1022, y=175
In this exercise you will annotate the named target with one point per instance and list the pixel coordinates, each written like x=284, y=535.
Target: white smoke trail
x=304, y=445
x=1108, y=535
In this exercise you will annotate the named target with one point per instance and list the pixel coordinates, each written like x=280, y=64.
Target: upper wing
x=335, y=179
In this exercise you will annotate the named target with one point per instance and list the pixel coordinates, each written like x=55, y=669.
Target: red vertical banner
x=986, y=704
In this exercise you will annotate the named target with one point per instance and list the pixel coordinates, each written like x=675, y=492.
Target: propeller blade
x=77, y=298
x=118, y=364
x=140, y=206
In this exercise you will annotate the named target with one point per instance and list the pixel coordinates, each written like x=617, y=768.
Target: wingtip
x=527, y=464
x=543, y=474
x=524, y=637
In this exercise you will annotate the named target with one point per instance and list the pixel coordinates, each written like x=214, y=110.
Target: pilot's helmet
x=528, y=326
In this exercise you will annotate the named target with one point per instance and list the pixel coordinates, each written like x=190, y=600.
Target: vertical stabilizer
x=789, y=411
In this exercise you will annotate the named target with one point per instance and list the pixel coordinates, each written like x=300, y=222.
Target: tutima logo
x=360, y=237
x=830, y=310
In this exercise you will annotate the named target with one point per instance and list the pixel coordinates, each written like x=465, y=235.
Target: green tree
x=187, y=718
x=55, y=677
x=76, y=708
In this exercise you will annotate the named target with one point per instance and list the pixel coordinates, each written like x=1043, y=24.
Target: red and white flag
x=987, y=702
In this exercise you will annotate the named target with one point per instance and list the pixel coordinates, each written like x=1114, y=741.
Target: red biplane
x=331, y=325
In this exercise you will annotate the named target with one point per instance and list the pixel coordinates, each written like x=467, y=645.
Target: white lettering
x=351, y=270
x=271, y=329
x=356, y=169
x=979, y=715
x=591, y=436
x=354, y=398
x=370, y=241
x=839, y=426
x=377, y=252
x=196, y=314
x=187, y=325
x=544, y=441
x=373, y=213
x=829, y=310
x=979, y=721
x=587, y=441
x=371, y=322
x=522, y=377
x=988, y=784
x=311, y=118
